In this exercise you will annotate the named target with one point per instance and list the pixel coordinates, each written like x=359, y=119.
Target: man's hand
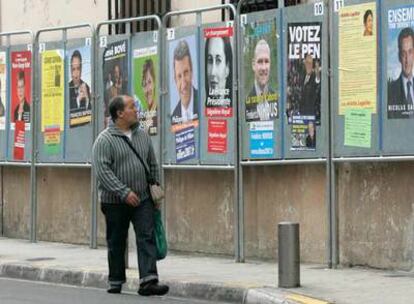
x=132, y=199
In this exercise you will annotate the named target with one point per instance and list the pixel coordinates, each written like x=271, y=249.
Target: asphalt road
x=25, y=292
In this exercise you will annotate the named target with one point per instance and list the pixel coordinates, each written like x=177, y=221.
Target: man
x=22, y=110
x=261, y=103
x=400, y=91
x=187, y=107
x=79, y=91
x=310, y=89
x=125, y=197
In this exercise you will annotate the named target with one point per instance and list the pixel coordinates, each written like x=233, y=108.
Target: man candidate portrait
x=257, y=104
x=310, y=101
x=400, y=91
x=79, y=91
x=187, y=106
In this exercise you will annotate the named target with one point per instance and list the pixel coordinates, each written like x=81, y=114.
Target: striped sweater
x=117, y=168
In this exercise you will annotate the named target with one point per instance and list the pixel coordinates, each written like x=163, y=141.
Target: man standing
x=125, y=197
x=400, y=91
x=187, y=107
x=310, y=89
x=261, y=102
x=79, y=91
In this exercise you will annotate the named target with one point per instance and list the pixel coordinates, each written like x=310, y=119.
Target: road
x=24, y=292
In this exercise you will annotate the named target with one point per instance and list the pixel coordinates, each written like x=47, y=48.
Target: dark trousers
x=118, y=217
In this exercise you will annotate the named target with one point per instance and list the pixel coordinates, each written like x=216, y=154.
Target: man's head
x=123, y=110
x=76, y=67
x=183, y=71
x=117, y=73
x=261, y=63
x=308, y=63
x=406, y=51
x=20, y=85
x=368, y=21
x=148, y=81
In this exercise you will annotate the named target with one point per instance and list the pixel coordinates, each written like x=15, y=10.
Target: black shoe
x=153, y=289
x=114, y=289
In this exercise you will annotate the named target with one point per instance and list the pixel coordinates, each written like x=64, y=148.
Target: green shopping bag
x=160, y=237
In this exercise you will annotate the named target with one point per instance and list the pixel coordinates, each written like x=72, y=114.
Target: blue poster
x=261, y=139
x=185, y=144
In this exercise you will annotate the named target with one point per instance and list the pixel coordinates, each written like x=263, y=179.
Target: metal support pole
x=238, y=207
x=289, y=255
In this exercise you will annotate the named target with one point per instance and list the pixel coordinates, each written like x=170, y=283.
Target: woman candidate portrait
x=148, y=106
x=368, y=23
x=219, y=67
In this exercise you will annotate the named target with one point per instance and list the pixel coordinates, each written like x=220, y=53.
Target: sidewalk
x=215, y=279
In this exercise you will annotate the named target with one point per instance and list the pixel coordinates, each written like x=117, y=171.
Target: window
x=259, y=5
x=118, y=9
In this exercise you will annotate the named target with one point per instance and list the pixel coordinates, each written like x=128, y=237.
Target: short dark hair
x=229, y=61
x=181, y=51
x=148, y=67
x=406, y=32
x=116, y=104
x=20, y=76
x=76, y=54
x=367, y=13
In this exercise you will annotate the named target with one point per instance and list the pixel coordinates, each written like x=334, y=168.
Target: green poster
x=358, y=127
x=145, y=65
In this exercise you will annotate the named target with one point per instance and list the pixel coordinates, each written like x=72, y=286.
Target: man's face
x=117, y=73
x=76, y=71
x=217, y=69
x=20, y=89
x=407, y=56
x=308, y=64
x=183, y=78
x=261, y=65
x=129, y=114
x=148, y=85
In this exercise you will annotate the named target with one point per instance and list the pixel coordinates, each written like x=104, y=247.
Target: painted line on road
x=304, y=300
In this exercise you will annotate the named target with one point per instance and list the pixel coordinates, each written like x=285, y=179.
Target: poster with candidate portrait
x=3, y=89
x=260, y=71
x=183, y=83
x=79, y=86
x=115, y=73
x=303, y=135
x=145, y=90
x=400, y=61
x=303, y=95
x=21, y=69
x=218, y=63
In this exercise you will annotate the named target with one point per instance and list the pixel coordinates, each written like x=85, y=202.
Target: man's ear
x=119, y=113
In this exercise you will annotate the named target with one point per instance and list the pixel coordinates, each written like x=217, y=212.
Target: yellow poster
x=52, y=90
x=358, y=57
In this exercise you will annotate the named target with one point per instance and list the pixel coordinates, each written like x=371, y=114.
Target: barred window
x=260, y=5
x=118, y=9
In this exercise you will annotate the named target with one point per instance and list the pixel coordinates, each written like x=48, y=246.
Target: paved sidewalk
x=211, y=278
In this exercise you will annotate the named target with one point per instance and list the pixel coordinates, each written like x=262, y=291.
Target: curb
x=197, y=290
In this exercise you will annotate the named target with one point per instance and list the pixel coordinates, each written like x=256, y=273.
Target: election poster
x=19, y=140
x=358, y=57
x=183, y=83
x=218, y=67
x=400, y=61
x=304, y=67
x=262, y=142
x=185, y=144
x=52, y=103
x=79, y=86
x=145, y=90
x=303, y=134
x=21, y=69
x=260, y=69
x=115, y=73
x=3, y=90
x=217, y=136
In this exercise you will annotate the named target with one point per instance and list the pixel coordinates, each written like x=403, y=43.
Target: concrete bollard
x=289, y=255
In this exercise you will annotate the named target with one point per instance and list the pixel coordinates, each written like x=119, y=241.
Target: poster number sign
x=338, y=4
x=318, y=9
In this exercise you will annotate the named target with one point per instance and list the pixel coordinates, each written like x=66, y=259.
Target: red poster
x=18, y=147
x=217, y=136
x=21, y=68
